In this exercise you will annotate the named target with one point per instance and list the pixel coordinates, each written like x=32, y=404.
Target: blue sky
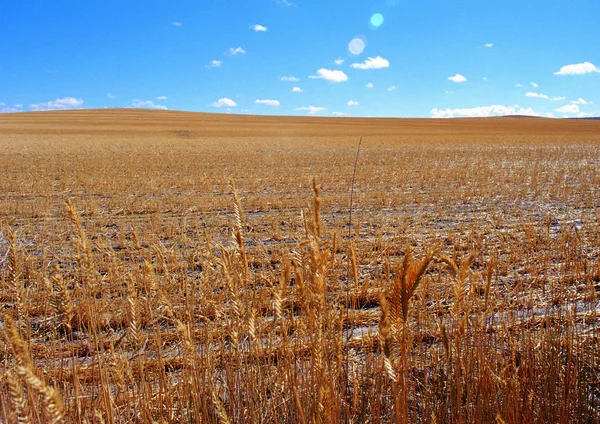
x=391, y=58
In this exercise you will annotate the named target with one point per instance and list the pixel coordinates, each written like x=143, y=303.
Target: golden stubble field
x=163, y=266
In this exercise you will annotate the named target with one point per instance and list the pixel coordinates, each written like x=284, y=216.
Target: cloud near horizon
x=311, y=109
x=146, y=104
x=4, y=108
x=58, y=104
x=224, y=102
x=268, y=102
x=483, y=111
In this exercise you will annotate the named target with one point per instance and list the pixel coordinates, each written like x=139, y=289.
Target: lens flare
x=376, y=20
x=357, y=45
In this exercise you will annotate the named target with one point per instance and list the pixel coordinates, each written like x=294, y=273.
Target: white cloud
x=285, y=3
x=483, y=111
x=290, y=79
x=489, y=45
x=580, y=101
x=297, y=90
x=236, y=51
x=146, y=104
x=392, y=88
x=518, y=85
x=267, y=102
x=161, y=98
x=578, y=69
x=338, y=61
x=7, y=109
x=328, y=75
x=537, y=95
x=311, y=109
x=177, y=24
x=534, y=84
x=585, y=115
x=338, y=113
x=457, y=78
x=544, y=96
x=572, y=108
x=352, y=103
x=224, y=102
x=58, y=104
x=372, y=63
x=370, y=85
x=110, y=96
x=258, y=28
x=214, y=64
x=485, y=79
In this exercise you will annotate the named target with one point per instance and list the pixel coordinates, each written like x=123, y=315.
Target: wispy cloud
x=268, y=102
x=352, y=103
x=177, y=24
x=544, y=96
x=235, y=51
x=297, y=90
x=146, y=104
x=161, y=98
x=489, y=45
x=578, y=69
x=290, y=79
x=339, y=61
x=329, y=75
x=285, y=3
x=369, y=85
x=572, y=108
x=110, y=96
x=58, y=104
x=372, y=63
x=224, y=102
x=311, y=109
x=214, y=64
x=534, y=84
x=338, y=113
x=580, y=101
x=258, y=28
x=483, y=111
x=519, y=85
x=392, y=88
x=537, y=95
x=457, y=78
x=4, y=108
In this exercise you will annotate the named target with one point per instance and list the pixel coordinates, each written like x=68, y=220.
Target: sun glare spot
x=357, y=45
x=376, y=20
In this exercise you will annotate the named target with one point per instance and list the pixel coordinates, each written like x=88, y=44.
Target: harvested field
x=162, y=266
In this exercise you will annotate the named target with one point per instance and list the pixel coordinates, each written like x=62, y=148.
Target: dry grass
x=178, y=267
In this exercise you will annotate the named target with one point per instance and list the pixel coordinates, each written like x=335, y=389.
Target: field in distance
x=169, y=266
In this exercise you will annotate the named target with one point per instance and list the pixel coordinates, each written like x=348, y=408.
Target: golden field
x=162, y=266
